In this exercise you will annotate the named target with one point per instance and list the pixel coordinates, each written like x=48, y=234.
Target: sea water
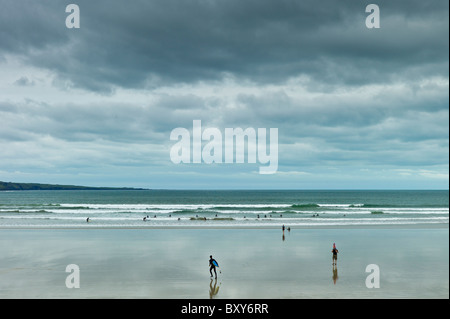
x=239, y=208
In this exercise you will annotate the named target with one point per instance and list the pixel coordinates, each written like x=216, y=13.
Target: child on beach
x=335, y=252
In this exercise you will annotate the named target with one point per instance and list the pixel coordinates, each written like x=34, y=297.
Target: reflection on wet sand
x=257, y=264
x=213, y=290
x=335, y=274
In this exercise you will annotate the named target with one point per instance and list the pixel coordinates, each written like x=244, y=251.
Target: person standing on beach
x=212, y=265
x=335, y=252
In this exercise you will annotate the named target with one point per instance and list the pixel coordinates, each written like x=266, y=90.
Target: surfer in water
x=335, y=252
x=212, y=265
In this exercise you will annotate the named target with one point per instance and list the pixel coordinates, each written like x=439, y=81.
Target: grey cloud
x=24, y=81
x=355, y=123
x=149, y=122
x=148, y=43
x=29, y=26
x=343, y=97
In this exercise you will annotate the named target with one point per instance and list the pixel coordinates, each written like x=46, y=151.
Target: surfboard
x=215, y=263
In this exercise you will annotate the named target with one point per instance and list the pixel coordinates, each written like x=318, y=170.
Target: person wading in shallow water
x=212, y=265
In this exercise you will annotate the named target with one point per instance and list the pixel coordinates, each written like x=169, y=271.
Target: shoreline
x=318, y=227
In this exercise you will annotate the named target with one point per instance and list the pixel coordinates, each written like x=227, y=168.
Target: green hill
x=8, y=186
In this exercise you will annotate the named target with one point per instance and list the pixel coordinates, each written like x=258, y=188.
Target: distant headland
x=8, y=186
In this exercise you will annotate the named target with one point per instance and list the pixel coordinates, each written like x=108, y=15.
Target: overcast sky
x=355, y=108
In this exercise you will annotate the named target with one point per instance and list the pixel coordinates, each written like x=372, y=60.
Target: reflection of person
x=212, y=265
x=335, y=274
x=335, y=252
x=213, y=291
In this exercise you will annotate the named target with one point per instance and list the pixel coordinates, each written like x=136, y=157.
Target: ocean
x=221, y=208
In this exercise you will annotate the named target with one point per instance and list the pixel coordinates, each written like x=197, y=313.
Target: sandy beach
x=254, y=263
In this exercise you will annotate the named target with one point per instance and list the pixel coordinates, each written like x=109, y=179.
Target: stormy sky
x=355, y=108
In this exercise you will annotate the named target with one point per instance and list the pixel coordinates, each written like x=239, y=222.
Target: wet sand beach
x=254, y=263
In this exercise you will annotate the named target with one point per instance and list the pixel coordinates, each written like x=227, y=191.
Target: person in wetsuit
x=212, y=266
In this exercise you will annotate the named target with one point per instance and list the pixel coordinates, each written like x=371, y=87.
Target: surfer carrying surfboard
x=212, y=265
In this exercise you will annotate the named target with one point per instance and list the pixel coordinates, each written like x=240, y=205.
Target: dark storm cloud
x=149, y=43
x=344, y=98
